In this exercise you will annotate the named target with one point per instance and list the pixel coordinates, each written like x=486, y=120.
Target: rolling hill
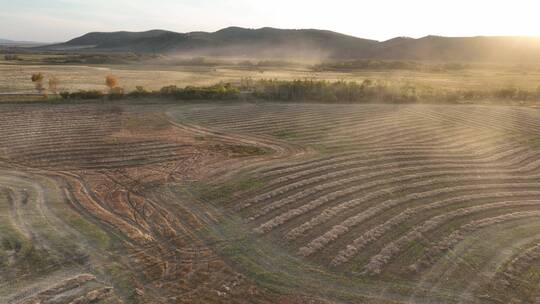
x=232, y=41
x=12, y=43
x=490, y=49
x=308, y=44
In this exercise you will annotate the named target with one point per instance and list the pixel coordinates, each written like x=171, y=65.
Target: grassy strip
x=16, y=250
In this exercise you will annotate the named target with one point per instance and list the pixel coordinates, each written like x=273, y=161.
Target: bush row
x=367, y=91
x=215, y=92
x=316, y=91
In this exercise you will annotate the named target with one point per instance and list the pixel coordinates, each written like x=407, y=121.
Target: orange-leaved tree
x=111, y=82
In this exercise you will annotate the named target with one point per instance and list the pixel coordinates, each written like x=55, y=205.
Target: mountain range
x=307, y=44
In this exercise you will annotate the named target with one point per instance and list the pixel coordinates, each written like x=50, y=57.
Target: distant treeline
x=373, y=91
x=315, y=91
x=11, y=57
x=312, y=90
x=112, y=58
x=207, y=62
x=366, y=64
x=349, y=65
x=32, y=57
x=334, y=92
x=267, y=63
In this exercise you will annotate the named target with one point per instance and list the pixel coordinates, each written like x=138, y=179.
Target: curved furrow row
x=266, y=115
x=388, y=166
x=345, y=226
x=373, y=234
x=299, y=123
x=308, y=130
x=384, y=177
x=392, y=185
x=89, y=146
x=392, y=152
x=332, y=123
x=344, y=124
x=442, y=116
x=470, y=145
x=517, y=266
x=394, y=248
x=458, y=235
x=402, y=154
x=69, y=153
x=382, y=135
x=399, y=150
x=493, y=116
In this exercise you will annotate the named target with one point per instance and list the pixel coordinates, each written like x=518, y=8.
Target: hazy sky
x=59, y=20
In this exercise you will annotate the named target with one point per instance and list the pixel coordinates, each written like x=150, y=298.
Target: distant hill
x=309, y=44
x=232, y=41
x=7, y=42
x=486, y=49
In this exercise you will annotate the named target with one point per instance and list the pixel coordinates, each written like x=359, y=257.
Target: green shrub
x=139, y=92
x=90, y=94
x=65, y=95
x=116, y=93
x=507, y=93
x=216, y=92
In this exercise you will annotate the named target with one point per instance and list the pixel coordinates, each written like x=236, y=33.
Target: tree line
x=306, y=90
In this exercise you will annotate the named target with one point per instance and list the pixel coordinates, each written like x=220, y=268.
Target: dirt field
x=16, y=77
x=83, y=217
x=427, y=203
x=269, y=203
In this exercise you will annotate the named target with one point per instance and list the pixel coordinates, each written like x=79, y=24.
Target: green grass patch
x=285, y=134
x=122, y=279
x=11, y=239
x=327, y=150
x=248, y=150
x=239, y=150
x=534, y=143
x=92, y=232
x=225, y=192
x=36, y=259
x=260, y=274
x=25, y=256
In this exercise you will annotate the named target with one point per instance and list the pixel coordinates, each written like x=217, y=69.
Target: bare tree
x=11, y=57
x=37, y=79
x=53, y=85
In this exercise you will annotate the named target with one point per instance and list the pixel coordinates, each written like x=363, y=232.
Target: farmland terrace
x=269, y=202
